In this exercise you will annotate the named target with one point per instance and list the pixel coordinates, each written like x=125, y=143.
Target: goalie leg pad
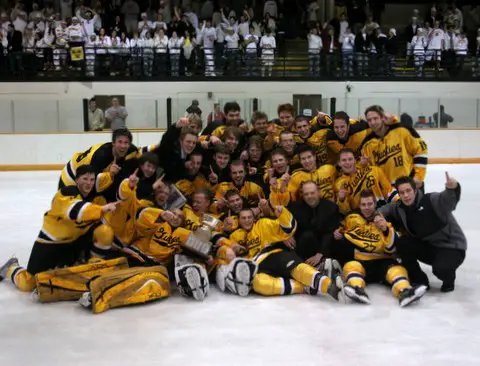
x=128, y=287
x=237, y=276
x=192, y=281
x=70, y=283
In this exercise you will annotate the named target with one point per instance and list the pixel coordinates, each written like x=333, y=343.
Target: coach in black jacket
x=317, y=219
x=432, y=234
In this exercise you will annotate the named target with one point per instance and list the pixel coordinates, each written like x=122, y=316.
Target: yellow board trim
x=39, y=167
x=133, y=130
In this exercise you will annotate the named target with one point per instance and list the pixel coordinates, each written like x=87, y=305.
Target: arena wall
x=34, y=107
x=57, y=107
x=52, y=151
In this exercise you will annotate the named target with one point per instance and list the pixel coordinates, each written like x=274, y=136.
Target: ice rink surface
x=441, y=330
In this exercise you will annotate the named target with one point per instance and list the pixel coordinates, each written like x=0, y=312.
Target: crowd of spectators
x=226, y=37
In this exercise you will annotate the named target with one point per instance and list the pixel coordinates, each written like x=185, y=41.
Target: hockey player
x=324, y=177
x=251, y=192
x=107, y=159
x=397, y=150
x=280, y=272
x=317, y=139
x=356, y=178
x=71, y=232
x=370, y=241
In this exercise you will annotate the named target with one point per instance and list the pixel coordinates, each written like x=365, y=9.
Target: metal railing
x=82, y=63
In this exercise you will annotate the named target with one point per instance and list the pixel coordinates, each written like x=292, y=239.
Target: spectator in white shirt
x=191, y=16
x=230, y=23
x=219, y=45
x=315, y=45
x=268, y=46
x=114, y=51
x=160, y=23
x=232, y=53
x=161, y=51
x=270, y=7
x=96, y=118
x=244, y=25
x=343, y=26
x=251, y=41
x=116, y=115
x=348, y=47
x=144, y=26
x=175, y=45
x=88, y=21
x=435, y=46
x=461, y=50
x=90, y=55
x=19, y=18
x=124, y=52
x=207, y=35
x=418, y=44
x=147, y=44
x=37, y=24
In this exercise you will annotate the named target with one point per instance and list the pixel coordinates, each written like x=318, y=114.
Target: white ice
x=442, y=329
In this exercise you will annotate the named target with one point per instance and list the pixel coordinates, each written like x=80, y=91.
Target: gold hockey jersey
x=101, y=157
x=324, y=177
x=371, y=178
x=401, y=152
x=122, y=220
x=70, y=216
x=264, y=233
x=157, y=240
x=249, y=191
x=318, y=141
x=370, y=243
x=188, y=186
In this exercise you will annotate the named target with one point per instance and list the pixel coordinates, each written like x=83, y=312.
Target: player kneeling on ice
x=367, y=246
x=71, y=234
x=280, y=271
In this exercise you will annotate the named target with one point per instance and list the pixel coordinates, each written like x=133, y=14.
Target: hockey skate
x=4, y=269
x=357, y=294
x=411, y=295
x=237, y=276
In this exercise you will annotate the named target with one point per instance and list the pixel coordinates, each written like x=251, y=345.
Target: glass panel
x=7, y=124
x=457, y=113
x=420, y=110
x=36, y=115
x=142, y=112
x=390, y=105
x=70, y=113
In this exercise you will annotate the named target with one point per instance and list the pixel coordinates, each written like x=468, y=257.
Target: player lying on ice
x=278, y=270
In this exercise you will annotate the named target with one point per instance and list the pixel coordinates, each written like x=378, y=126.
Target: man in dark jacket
x=432, y=234
x=317, y=219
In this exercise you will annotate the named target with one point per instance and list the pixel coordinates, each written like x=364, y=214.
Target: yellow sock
x=397, y=276
x=309, y=276
x=354, y=273
x=267, y=285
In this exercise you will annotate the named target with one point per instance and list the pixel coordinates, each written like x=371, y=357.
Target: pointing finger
x=135, y=173
x=447, y=176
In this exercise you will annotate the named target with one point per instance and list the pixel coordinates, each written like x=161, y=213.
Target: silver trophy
x=199, y=241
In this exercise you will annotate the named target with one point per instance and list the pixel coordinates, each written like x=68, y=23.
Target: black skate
x=411, y=295
x=4, y=269
x=357, y=294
